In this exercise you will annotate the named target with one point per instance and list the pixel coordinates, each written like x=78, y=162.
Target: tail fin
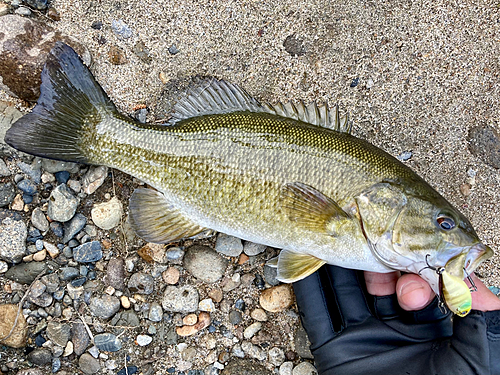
x=70, y=100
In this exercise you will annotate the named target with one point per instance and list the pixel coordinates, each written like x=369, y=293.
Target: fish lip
x=467, y=260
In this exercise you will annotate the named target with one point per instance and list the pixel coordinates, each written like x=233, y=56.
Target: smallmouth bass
x=288, y=176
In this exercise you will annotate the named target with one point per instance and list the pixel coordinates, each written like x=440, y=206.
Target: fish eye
x=445, y=222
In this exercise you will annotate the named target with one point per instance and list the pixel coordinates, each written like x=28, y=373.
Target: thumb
x=413, y=292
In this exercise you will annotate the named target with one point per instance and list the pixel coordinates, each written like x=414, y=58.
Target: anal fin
x=155, y=219
x=295, y=266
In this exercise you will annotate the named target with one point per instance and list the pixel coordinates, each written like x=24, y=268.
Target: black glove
x=352, y=332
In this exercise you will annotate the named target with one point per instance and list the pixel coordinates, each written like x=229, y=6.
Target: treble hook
x=473, y=287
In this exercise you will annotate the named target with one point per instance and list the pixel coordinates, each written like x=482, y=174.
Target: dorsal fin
x=212, y=96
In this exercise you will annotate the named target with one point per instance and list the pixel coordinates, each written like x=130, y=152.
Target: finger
x=483, y=299
x=381, y=284
x=414, y=293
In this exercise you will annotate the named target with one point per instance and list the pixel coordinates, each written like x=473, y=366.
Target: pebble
x=302, y=343
x=129, y=370
x=107, y=215
x=68, y=350
x=206, y=305
x=276, y=356
x=56, y=364
x=13, y=234
x=115, y=273
x=18, y=203
x=125, y=301
x=94, y=178
x=204, y=263
x=73, y=227
x=88, y=252
x=74, y=185
x=68, y=273
x=143, y=340
x=253, y=351
x=155, y=312
x=270, y=274
x=57, y=228
x=171, y=275
x=276, y=298
x=62, y=177
x=304, y=368
x=39, y=220
x=27, y=186
x=173, y=49
x=286, y=368
x=52, y=249
x=62, y=204
x=25, y=273
x=190, y=320
x=107, y=342
x=141, y=282
x=251, y=330
x=47, y=177
x=228, y=245
x=259, y=315
x=105, y=306
x=121, y=29
x=175, y=255
x=4, y=171
x=88, y=364
x=58, y=333
x=183, y=299
x=74, y=292
x=405, y=155
x=80, y=338
x=54, y=166
x=235, y=317
x=3, y=266
x=494, y=289
x=253, y=249
x=19, y=335
x=40, y=357
x=189, y=330
x=7, y=194
x=216, y=295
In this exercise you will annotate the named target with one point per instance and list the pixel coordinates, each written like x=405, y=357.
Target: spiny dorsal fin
x=155, y=219
x=312, y=209
x=212, y=96
x=295, y=266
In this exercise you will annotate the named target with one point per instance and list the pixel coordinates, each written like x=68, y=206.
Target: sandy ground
x=427, y=72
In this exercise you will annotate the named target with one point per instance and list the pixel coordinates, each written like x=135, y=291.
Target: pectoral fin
x=155, y=219
x=312, y=209
x=294, y=266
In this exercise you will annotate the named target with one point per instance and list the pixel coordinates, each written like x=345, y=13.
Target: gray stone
x=94, y=178
x=54, y=166
x=155, y=312
x=4, y=171
x=228, y=245
x=58, y=333
x=51, y=281
x=107, y=342
x=107, y=215
x=39, y=220
x=302, y=343
x=305, y=368
x=245, y=367
x=69, y=273
x=204, y=263
x=105, y=306
x=88, y=252
x=115, y=273
x=88, y=364
x=13, y=235
x=40, y=357
x=3, y=266
x=235, y=317
x=37, y=288
x=8, y=115
x=32, y=170
x=126, y=318
x=276, y=356
x=7, y=194
x=270, y=274
x=182, y=299
x=143, y=340
x=44, y=300
x=25, y=273
x=141, y=282
x=253, y=249
x=73, y=227
x=253, y=351
x=286, y=368
x=62, y=204
x=80, y=338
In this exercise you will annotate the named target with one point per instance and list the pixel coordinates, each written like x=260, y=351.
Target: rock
x=244, y=367
x=8, y=115
x=175, y=255
x=94, y=178
x=270, y=274
x=276, y=298
x=18, y=203
x=126, y=318
x=183, y=299
x=143, y=340
x=251, y=330
x=253, y=249
x=44, y=300
x=37, y=289
x=107, y=215
x=276, y=356
x=73, y=227
x=58, y=333
x=190, y=320
x=115, y=273
x=39, y=220
x=13, y=234
x=125, y=301
x=88, y=364
x=171, y=275
x=52, y=249
x=25, y=273
x=142, y=51
x=117, y=56
x=80, y=338
x=206, y=305
x=69, y=273
x=54, y=166
x=259, y=315
x=189, y=330
x=121, y=29
x=286, y=368
x=484, y=142
x=228, y=245
x=14, y=337
x=88, y=252
x=31, y=170
x=302, y=343
x=62, y=204
x=4, y=267
x=107, y=342
x=304, y=368
x=294, y=45
x=27, y=186
x=40, y=357
x=141, y=283
x=26, y=43
x=105, y=306
x=204, y=263
x=40, y=255
x=253, y=351
x=7, y=194
x=4, y=171
x=68, y=350
x=153, y=252
x=155, y=312
x=235, y=317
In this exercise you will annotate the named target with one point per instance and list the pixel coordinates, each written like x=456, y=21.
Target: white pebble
x=143, y=340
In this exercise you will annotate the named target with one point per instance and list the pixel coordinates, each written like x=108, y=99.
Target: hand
x=393, y=325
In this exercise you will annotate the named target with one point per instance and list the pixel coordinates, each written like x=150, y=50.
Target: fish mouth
x=465, y=263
